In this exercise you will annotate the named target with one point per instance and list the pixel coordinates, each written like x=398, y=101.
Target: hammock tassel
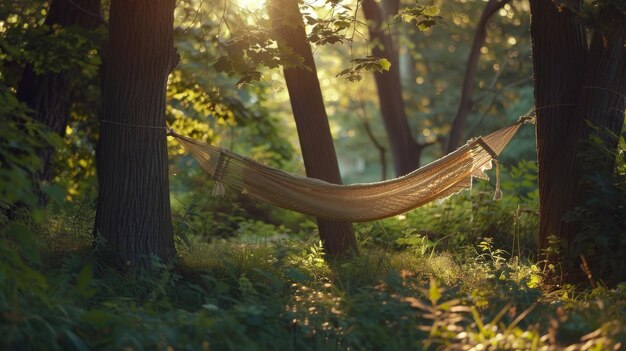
x=498, y=193
x=218, y=189
x=220, y=168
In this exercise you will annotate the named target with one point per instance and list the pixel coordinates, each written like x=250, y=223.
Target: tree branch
x=465, y=105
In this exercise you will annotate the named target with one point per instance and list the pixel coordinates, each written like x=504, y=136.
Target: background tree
x=133, y=215
x=309, y=112
x=405, y=150
x=577, y=87
x=46, y=89
x=469, y=78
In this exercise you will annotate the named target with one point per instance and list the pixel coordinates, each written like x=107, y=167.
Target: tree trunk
x=467, y=92
x=573, y=85
x=307, y=104
x=405, y=150
x=133, y=213
x=48, y=94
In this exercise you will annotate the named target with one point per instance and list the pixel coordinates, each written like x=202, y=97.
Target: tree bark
x=48, y=94
x=573, y=85
x=467, y=92
x=309, y=112
x=133, y=214
x=405, y=150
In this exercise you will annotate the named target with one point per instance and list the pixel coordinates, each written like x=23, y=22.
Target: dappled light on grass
x=242, y=294
x=241, y=284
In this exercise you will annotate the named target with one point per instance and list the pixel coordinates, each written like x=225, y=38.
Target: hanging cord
x=168, y=130
x=497, y=195
x=527, y=118
x=606, y=89
x=133, y=125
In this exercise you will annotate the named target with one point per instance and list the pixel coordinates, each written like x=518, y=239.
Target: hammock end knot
x=218, y=189
x=527, y=119
x=497, y=195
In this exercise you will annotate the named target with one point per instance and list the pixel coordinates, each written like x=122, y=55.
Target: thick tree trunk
x=405, y=150
x=133, y=214
x=467, y=92
x=307, y=104
x=573, y=85
x=559, y=54
x=604, y=88
x=48, y=94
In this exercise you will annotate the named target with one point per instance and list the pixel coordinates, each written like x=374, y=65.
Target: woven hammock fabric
x=357, y=202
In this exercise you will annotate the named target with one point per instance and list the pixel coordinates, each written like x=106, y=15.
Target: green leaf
x=100, y=318
x=54, y=191
x=223, y=64
x=83, y=281
x=384, y=64
x=296, y=275
x=77, y=342
x=425, y=24
x=27, y=241
x=249, y=77
x=431, y=11
x=434, y=294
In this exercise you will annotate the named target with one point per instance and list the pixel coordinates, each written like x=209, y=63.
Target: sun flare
x=251, y=5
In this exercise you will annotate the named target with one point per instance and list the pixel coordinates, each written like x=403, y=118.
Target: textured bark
x=604, y=88
x=405, y=150
x=573, y=85
x=467, y=92
x=308, y=109
x=133, y=213
x=48, y=94
x=559, y=55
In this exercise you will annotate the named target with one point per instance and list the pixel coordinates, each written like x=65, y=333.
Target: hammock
x=357, y=202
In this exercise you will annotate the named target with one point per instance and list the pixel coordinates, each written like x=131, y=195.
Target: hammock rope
x=356, y=202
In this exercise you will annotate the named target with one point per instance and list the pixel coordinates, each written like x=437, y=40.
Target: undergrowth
x=239, y=294
x=455, y=276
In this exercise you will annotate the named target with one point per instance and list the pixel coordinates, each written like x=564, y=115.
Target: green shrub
x=602, y=216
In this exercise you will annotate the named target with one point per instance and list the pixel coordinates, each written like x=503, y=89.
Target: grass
x=459, y=276
x=283, y=295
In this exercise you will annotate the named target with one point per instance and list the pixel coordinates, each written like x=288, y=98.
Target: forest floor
x=278, y=292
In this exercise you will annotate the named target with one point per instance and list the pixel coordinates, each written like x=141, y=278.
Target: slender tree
x=133, y=213
x=575, y=85
x=309, y=112
x=469, y=79
x=48, y=94
x=405, y=150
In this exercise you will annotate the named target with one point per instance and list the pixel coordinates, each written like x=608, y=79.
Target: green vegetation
x=467, y=279
x=465, y=273
x=264, y=290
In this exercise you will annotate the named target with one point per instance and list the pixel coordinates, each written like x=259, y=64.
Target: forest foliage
x=459, y=274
